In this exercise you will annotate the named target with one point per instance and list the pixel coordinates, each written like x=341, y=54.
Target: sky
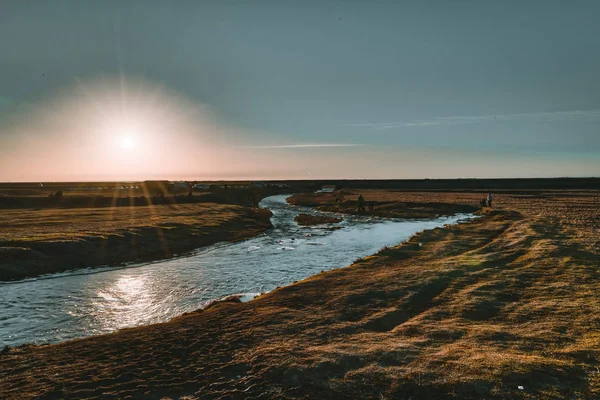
x=126, y=90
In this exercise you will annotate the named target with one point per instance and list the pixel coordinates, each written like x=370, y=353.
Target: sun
x=127, y=142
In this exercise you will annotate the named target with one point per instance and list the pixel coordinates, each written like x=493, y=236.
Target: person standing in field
x=361, y=204
x=489, y=199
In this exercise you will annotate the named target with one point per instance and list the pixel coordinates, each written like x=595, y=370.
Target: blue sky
x=474, y=88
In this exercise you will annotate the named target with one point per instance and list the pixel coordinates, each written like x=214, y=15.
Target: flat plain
x=503, y=307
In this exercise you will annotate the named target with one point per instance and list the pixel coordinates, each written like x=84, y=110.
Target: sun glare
x=118, y=128
x=127, y=142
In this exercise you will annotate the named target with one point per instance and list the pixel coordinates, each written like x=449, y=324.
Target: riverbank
x=42, y=241
x=391, y=204
x=312, y=220
x=503, y=307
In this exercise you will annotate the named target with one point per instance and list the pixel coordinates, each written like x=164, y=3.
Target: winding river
x=64, y=306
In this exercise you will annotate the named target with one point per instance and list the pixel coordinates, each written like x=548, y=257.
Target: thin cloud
x=577, y=115
x=295, y=146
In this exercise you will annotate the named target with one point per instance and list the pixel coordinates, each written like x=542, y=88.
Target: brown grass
x=390, y=204
x=469, y=311
x=34, y=242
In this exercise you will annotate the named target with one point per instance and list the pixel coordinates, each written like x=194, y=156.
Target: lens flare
x=129, y=129
x=124, y=128
x=127, y=143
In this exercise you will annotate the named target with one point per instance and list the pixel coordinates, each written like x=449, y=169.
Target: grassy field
x=503, y=307
x=34, y=242
x=391, y=204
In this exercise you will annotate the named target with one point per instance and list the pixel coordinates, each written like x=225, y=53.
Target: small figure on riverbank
x=489, y=199
x=361, y=204
x=371, y=207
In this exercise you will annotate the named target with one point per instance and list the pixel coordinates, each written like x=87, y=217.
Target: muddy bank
x=37, y=242
x=310, y=220
x=502, y=307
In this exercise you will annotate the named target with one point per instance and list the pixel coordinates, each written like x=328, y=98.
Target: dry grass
x=51, y=240
x=72, y=224
x=389, y=203
x=467, y=312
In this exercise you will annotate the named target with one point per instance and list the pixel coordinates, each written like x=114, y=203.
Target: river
x=81, y=303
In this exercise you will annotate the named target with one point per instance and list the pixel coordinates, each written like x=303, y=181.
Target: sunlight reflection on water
x=124, y=303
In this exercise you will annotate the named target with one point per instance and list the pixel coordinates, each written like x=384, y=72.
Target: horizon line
x=300, y=179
